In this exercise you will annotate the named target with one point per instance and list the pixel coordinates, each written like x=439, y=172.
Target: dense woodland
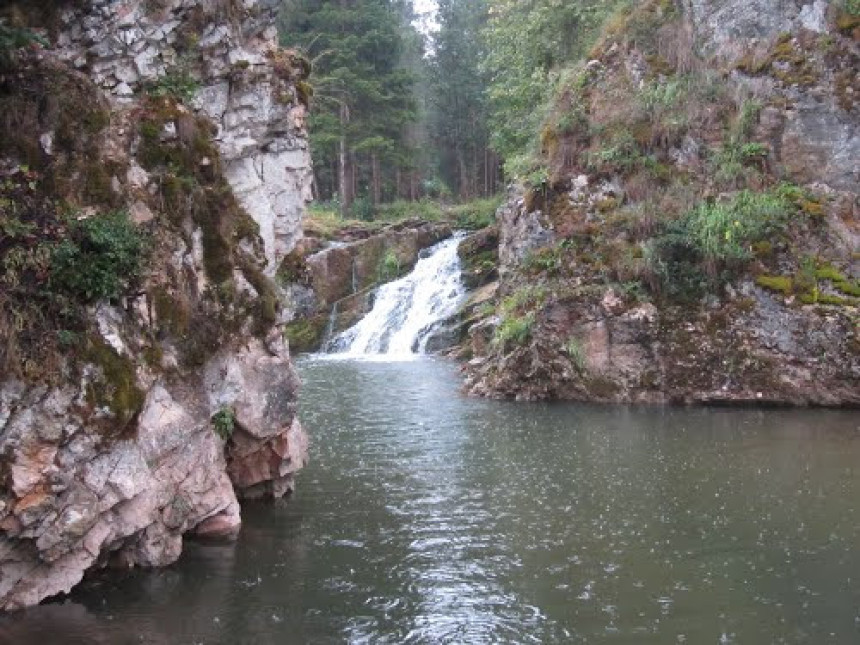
x=446, y=111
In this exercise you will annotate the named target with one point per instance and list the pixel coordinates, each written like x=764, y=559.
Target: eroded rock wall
x=231, y=49
x=185, y=396
x=584, y=311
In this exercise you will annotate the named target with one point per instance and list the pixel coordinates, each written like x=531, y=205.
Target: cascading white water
x=406, y=312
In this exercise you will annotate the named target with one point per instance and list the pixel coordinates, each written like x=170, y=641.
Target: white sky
x=426, y=9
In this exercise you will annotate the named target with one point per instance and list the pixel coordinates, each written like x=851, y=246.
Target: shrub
x=15, y=38
x=99, y=259
x=389, y=267
x=177, y=84
x=224, y=422
x=574, y=350
x=363, y=209
x=530, y=297
x=547, y=260
x=724, y=232
x=705, y=246
x=514, y=329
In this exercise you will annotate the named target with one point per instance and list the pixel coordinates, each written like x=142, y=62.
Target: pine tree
x=459, y=107
x=363, y=94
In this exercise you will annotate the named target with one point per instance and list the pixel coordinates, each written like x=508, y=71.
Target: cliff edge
x=154, y=171
x=689, y=230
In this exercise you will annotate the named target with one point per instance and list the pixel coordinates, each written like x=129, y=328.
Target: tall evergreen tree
x=363, y=93
x=458, y=99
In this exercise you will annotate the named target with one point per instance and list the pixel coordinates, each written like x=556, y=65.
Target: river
x=428, y=517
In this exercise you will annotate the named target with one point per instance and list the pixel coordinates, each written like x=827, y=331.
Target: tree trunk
x=376, y=179
x=344, y=169
x=464, y=175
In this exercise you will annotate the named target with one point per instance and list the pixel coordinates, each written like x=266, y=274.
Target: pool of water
x=428, y=517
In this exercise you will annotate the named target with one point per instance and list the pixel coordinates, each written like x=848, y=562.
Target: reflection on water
x=426, y=517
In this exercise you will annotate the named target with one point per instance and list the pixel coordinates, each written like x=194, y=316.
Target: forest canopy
x=404, y=113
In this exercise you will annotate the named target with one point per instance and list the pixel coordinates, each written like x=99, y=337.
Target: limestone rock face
x=723, y=22
x=582, y=310
x=820, y=139
x=83, y=485
x=261, y=124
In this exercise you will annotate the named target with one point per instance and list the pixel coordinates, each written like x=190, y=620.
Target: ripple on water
x=425, y=517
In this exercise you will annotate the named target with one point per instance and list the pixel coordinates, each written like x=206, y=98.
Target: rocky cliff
x=154, y=170
x=692, y=231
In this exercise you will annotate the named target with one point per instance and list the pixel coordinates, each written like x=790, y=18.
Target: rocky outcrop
x=817, y=138
x=613, y=286
x=177, y=398
x=246, y=88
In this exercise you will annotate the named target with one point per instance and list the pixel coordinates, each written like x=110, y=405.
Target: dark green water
x=426, y=517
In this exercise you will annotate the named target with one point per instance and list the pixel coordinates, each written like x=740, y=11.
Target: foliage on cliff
x=66, y=237
x=681, y=192
x=671, y=181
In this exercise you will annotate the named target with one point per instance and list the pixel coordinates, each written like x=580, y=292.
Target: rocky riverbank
x=139, y=411
x=693, y=235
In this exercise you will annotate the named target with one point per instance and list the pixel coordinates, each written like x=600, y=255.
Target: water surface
x=427, y=517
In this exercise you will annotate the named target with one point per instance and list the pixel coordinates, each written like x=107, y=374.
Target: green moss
x=781, y=284
x=153, y=355
x=751, y=65
x=217, y=247
x=115, y=388
x=785, y=61
x=829, y=299
x=841, y=283
x=603, y=387
x=848, y=287
x=305, y=335
x=847, y=23
x=762, y=249
x=305, y=92
x=268, y=304
x=293, y=269
x=172, y=315
x=828, y=272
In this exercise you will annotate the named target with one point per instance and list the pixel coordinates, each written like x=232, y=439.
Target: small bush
x=363, y=209
x=574, y=350
x=531, y=297
x=710, y=242
x=514, y=329
x=724, y=232
x=224, y=422
x=547, y=260
x=176, y=84
x=14, y=38
x=99, y=259
x=389, y=267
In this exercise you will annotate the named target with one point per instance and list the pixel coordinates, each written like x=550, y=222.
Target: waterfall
x=407, y=311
